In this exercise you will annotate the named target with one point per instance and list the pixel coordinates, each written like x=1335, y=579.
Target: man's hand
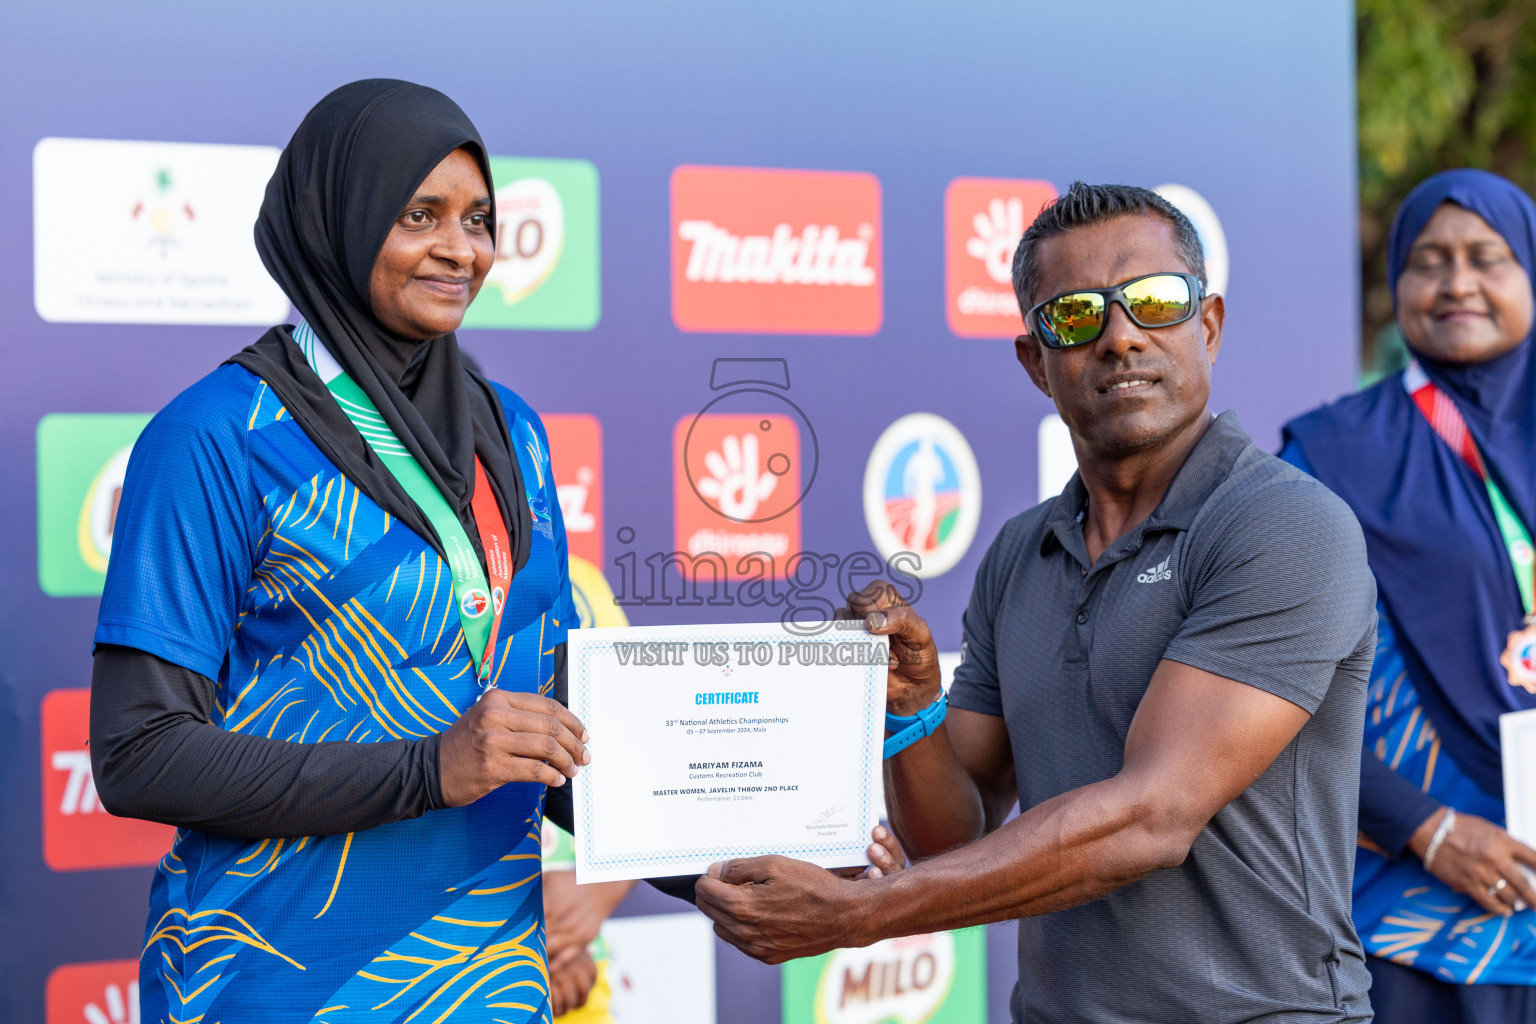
x=885, y=857
x=571, y=978
x=777, y=909
x=913, y=681
x=1197, y=741
x=509, y=737
x=1474, y=856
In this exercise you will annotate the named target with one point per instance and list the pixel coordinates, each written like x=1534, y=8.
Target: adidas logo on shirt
x=1158, y=572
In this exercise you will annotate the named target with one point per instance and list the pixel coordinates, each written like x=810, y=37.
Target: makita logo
x=819, y=255
x=78, y=832
x=80, y=789
x=1160, y=571
x=763, y=250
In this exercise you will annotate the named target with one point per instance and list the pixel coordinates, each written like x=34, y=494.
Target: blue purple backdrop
x=1252, y=105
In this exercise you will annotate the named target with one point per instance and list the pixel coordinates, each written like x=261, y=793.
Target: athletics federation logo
x=1160, y=571
x=983, y=221
x=475, y=604
x=781, y=251
x=922, y=492
x=1213, y=240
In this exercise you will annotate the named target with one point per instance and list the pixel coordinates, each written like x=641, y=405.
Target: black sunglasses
x=1078, y=318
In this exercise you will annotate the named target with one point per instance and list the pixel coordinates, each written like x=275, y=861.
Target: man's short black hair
x=1086, y=204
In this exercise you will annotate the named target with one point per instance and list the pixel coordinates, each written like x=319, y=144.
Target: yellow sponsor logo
x=98, y=512
x=594, y=598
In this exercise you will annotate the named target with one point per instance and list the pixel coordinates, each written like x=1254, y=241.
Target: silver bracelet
x=1444, y=829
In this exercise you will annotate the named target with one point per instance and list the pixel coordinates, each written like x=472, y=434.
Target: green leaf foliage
x=1441, y=84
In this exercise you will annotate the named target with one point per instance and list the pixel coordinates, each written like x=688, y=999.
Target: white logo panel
x=150, y=233
x=1213, y=240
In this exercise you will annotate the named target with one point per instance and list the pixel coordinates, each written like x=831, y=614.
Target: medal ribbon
x=1448, y=422
x=479, y=606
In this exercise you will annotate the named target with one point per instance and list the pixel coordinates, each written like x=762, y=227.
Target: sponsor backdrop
x=752, y=267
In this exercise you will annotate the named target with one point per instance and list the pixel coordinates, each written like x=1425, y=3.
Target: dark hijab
x=354, y=163
x=1441, y=566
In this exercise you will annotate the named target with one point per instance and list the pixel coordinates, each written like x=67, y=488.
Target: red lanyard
x=498, y=557
x=1447, y=421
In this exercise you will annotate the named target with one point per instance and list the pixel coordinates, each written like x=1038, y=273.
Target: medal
x=1519, y=657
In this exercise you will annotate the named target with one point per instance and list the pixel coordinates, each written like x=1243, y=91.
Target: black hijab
x=354, y=163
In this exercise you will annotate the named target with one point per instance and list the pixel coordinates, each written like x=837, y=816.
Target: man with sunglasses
x=1165, y=666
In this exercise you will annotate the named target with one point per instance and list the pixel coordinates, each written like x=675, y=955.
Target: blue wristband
x=908, y=729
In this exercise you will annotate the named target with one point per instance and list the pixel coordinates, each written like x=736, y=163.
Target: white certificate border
x=872, y=724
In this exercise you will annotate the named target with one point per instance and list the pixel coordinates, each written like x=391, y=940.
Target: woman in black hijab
x=338, y=601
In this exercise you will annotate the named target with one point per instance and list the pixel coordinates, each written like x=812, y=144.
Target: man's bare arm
x=952, y=788
x=1197, y=741
x=957, y=785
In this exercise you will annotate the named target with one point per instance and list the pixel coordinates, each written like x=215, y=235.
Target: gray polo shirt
x=1248, y=569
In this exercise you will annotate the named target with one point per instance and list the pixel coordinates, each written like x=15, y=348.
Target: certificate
x=715, y=742
x=1517, y=742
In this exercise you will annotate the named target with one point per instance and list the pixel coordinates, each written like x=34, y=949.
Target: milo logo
x=918, y=979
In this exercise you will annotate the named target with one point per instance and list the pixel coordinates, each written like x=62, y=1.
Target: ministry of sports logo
x=922, y=492
x=169, y=225
x=1160, y=571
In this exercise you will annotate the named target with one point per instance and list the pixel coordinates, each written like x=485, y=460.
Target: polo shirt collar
x=1206, y=466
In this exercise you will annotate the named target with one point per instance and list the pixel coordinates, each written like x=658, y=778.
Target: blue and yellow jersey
x=243, y=554
x=1402, y=912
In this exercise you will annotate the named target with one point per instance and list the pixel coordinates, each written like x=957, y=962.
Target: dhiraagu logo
x=81, y=461
x=547, y=273
x=919, y=979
